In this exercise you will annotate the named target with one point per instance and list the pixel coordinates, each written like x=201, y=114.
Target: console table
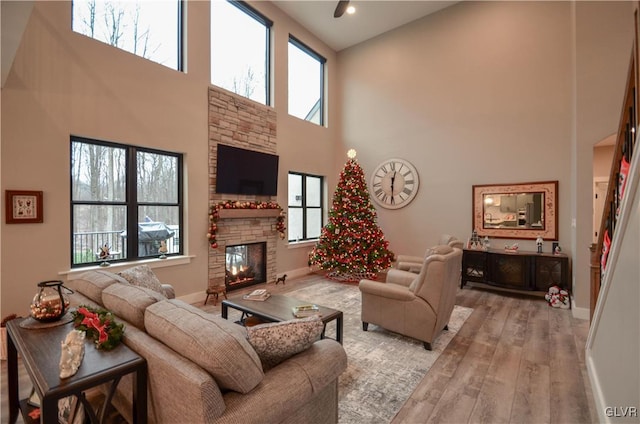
x=40, y=352
x=529, y=271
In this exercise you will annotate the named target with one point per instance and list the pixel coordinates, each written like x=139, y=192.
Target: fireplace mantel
x=248, y=213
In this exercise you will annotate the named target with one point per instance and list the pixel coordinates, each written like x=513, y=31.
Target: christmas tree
x=351, y=245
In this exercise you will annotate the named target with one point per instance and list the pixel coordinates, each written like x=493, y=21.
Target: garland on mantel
x=214, y=215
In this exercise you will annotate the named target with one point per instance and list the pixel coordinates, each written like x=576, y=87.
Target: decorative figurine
x=486, y=244
x=558, y=298
x=511, y=248
x=105, y=253
x=163, y=249
x=72, y=352
x=539, y=242
x=474, y=242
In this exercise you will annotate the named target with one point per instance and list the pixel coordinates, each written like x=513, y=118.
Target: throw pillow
x=143, y=276
x=277, y=341
x=92, y=283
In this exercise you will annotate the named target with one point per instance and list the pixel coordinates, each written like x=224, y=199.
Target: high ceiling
x=372, y=18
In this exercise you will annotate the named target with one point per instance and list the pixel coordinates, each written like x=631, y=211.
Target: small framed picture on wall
x=23, y=207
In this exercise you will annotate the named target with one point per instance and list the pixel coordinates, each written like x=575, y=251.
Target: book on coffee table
x=303, y=311
x=259, y=295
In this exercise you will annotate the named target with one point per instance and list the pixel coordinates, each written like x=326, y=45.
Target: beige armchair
x=415, y=305
x=414, y=263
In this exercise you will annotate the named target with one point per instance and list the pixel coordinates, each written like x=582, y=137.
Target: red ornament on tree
x=351, y=245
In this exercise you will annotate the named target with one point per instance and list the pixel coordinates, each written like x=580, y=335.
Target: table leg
x=339, y=329
x=225, y=310
x=12, y=379
x=140, y=395
x=49, y=409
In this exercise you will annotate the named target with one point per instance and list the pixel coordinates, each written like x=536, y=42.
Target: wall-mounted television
x=241, y=171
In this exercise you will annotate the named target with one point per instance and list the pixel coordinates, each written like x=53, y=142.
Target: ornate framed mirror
x=517, y=211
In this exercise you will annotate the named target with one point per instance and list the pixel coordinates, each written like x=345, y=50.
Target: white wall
x=604, y=35
x=63, y=83
x=477, y=93
x=602, y=157
x=481, y=93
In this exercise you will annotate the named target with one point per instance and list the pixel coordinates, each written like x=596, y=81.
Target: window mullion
x=132, y=204
x=304, y=207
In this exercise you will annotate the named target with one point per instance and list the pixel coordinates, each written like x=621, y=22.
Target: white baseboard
x=192, y=298
x=295, y=273
x=579, y=313
x=200, y=296
x=596, y=389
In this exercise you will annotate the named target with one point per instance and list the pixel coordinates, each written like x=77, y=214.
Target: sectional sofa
x=202, y=368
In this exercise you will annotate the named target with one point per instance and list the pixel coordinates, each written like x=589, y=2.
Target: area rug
x=384, y=368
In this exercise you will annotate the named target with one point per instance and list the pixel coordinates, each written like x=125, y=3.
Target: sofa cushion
x=143, y=276
x=217, y=345
x=129, y=302
x=277, y=341
x=92, y=283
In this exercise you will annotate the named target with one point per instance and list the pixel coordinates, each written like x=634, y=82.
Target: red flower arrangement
x=214, y=215
x=99, y=326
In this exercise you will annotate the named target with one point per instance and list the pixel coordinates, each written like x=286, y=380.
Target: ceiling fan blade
x=341, y=8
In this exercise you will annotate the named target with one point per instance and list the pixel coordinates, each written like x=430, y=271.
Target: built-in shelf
x=248, y=213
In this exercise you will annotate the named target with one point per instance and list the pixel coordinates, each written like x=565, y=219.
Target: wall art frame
x=549, y=191
x=24, y=207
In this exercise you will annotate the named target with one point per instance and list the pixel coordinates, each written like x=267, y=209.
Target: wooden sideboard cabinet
x=529, y=271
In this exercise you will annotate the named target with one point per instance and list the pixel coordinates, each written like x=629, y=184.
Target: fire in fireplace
x=246, y=265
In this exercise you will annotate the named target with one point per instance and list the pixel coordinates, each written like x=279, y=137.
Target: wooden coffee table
x=279, y=308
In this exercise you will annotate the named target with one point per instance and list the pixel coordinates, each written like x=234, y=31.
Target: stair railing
x=623, y=152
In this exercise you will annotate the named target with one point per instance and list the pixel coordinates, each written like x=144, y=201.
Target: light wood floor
x=515, y=360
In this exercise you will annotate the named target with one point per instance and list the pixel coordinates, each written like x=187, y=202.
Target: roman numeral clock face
x=394, y=183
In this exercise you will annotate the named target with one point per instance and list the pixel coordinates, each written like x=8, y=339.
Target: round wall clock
x=394, y=183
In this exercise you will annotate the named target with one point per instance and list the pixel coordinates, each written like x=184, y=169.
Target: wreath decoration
x=99, y=325
x=214, y=216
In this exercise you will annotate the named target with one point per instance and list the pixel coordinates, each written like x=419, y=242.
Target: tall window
x=149, y=29
x=126, y=198
x=306, y=83
x=240, y=49
x=305, y=206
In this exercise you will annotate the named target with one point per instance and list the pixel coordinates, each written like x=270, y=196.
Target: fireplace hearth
x=245, y=265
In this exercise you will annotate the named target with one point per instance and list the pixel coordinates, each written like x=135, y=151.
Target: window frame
x=250, y=11
x=131, y=202
x=180, y=33
x=322, y=62
x=304, y=206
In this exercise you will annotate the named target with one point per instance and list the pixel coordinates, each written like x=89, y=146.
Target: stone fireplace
x=245, y=265
x=240, y=122
x=246, y=227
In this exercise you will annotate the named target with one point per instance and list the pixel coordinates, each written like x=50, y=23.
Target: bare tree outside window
x=245, y=84
x=102, y=202
x=149, y=29
x=240, y=63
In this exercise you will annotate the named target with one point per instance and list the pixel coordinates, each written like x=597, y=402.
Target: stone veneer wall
x=240, y=122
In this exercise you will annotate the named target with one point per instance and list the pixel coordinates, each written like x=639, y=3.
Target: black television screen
x=242, y=171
